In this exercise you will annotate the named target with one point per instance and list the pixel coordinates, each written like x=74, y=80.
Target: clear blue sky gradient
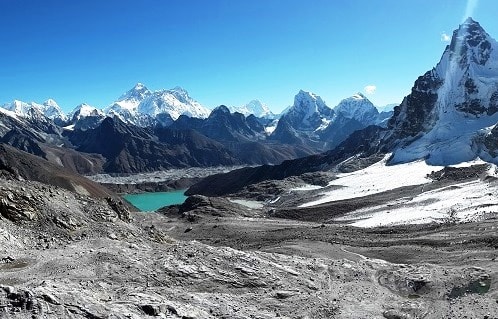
x=224, y=51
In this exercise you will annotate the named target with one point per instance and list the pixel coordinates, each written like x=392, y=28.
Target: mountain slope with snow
x=174, y=102
x=358, y=107
x=309, y=112
x=451, y=106
x=125, y=107
x=49, y=109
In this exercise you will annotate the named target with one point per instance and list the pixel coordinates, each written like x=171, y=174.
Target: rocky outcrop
x=196, y=207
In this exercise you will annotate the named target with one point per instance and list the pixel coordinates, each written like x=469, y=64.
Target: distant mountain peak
x=50, y=102
x=254, y=107
x=310, y=103
x=221, y=109
x=49, y=109
x=180, y=90
x=358, y=107
x=308, y=113
x=137, y=93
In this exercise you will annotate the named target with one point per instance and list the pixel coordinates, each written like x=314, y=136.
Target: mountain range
x=146, y=130
x=450, y=116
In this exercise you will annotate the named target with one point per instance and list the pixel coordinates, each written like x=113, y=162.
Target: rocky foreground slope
x=66, y=255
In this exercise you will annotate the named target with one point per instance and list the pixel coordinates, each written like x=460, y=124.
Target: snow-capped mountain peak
x=140, y=103
x=254, y=107
x=309, y=112
x=52, y=110
x=51, y=103
x=174, y=102
x=20, y=108
x=310, y=102
x=358, y=107
x=135, y=94
x=84, y=110
x=49, y=109
x=456, y=101
x=470, y=44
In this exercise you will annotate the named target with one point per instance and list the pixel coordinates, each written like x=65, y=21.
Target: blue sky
x=224, y=51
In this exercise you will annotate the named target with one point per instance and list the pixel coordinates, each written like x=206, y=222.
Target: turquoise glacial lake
x=152, y=201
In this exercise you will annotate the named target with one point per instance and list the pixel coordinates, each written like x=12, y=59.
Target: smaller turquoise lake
x=151, y=201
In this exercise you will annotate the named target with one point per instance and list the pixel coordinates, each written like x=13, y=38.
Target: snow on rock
x=174, y=102
x=84, y=110
x=461, y=202
x=271, y=127
x=308, y=112
x=376, y=178
x=452, y=105
x=125, y=107
x=49, y=109
x=9, y=113
x=358, y=107
x=464, y=201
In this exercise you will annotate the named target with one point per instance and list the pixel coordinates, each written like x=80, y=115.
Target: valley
x=314, y=213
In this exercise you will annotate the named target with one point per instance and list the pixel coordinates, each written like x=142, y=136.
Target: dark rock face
x=493, y=104
x=39, y=136
x=88, y=122
x=339, y=130
x=223, y=126
x=459, y=173
x=491, y=142
x=24, y=141
x=129, y=148
x=411, y=116
x=242, y=137
x=285, y=133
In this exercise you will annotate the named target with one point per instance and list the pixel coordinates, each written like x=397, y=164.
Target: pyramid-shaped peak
x=307, y=96
x=470, y=21
x=179, y=89
x=471, y=44
x=221, y=109
x=471, y=32
x=138, y=92
x=50, y=102
x=139, y=86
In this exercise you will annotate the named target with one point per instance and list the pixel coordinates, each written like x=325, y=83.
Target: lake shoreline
x=152, y=201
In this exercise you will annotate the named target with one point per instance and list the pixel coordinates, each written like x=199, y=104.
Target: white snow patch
x=307, y=187
x=376, y=178
x=462, y=202
x=325, y=123
x=271, y=128
x=69, y=127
